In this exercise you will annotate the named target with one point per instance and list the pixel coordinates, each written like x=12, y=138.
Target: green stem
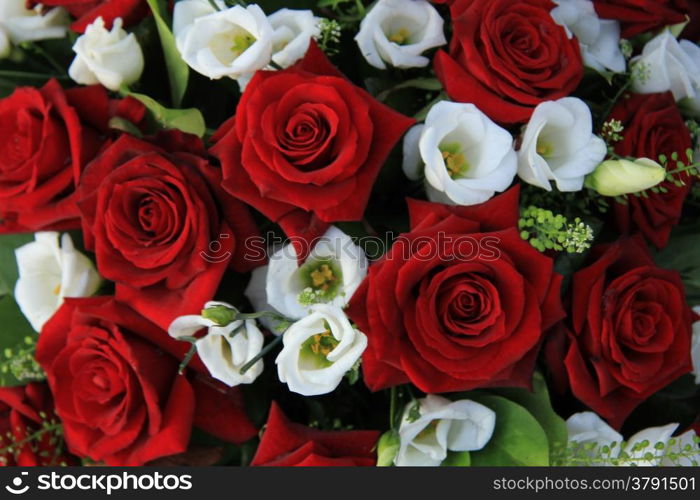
x=392, y=407
x=269, y=347
x=48, y=57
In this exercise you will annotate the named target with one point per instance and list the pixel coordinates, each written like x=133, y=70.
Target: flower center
x=544, y=148
x=241, y=43
x=321, y=280
x=57, y=290
x=315, y=350
x=322, y=277
x=456, y=164
x=400, y=36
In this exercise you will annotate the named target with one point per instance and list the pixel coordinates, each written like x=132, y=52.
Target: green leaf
x=681, y=254
x=457, y=459
x=430, y=84
x=540, y=407
x=15, y=328
x=178, y=71
x=188, y=120
x=8, y=263
x=518, y=439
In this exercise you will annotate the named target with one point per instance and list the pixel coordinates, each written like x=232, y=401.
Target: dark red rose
x=459, y=302
x=48, y=136
x=22, y=411
x=652, y=126
x=86, y=11
x=306, y=145
x=630, y=330
x=506, y=57
x=151, y=218
x=638, y=16
x=114, y=377
x=285, y=444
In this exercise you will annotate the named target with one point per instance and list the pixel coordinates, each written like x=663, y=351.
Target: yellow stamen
x=455, y=163
x=241, y=43
x=323, y=343
x=57, y=290
x=544, y=149
x=400, y=37
x=322, y=277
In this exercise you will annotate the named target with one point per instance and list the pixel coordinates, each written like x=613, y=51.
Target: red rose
x=652, y=126
x=506, y=57
x=306, y=146
x=151, y=218
x=285, y=444
x=86, y=11
x=119, y=396
x=638, y=16
x=48, y=136
x=22, y=411
x=459, y=302
x=630, y=330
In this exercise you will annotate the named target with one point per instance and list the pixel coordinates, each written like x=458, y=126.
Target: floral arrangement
x=343, y=232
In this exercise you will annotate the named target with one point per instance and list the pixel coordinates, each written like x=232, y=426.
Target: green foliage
x=189, y=120
x=8, y=263
x=457, y=459
x=682, y=255
x=48, y=435
x=178, y=71
x=518, y=439
x=388, y=448
x=547, y=231
x=17, y=365
x=538, y=404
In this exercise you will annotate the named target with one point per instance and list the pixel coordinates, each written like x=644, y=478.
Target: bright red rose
x=506, y=57
x=285, y=444
x=48, y=136
x=151, y=218
x=22, y=411
x=114, y=377
x=630, y=331
x=86, y=11
x=459, y=302
x=652, y=126
x=306, y=145
x=118, y=394
x=638, y=16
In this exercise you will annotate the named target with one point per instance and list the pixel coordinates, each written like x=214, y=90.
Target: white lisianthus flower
x=559, y=145
x=231, y=42
x=331, y=273
x=588, y=428
x=599, y=39
x=19, y=24
x=465, y=157
x=397, y=32
x=318, y=351
x=225, y=349
x=49, y=272
x=443, y=425
x=695, y=347
x=667, y=64
x=293, y=31
x=112, y=58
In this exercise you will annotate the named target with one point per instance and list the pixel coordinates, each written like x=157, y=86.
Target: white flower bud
x=318, y=350
x=293, y=31
x=618, y=177
x=48, y=273
x=559, y=145
x=20, y=24
x=465, y=157
x=398, y=32
x=112, y=58
x=232, y=42
x=441, y=426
